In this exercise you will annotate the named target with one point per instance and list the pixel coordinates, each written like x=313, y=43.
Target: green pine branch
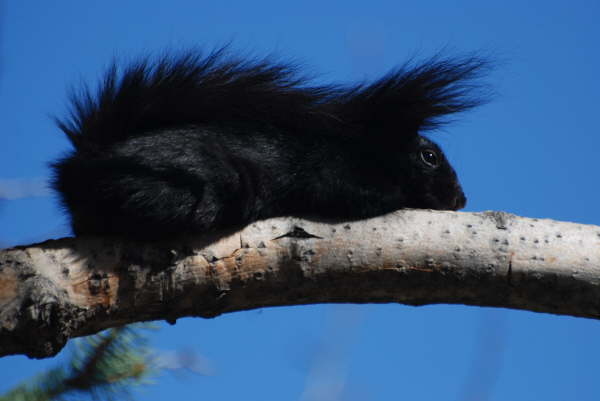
x=101, y=366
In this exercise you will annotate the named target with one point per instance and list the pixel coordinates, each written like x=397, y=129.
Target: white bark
x=57, y=290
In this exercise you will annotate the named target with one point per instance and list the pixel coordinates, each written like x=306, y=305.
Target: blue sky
x=533, y=151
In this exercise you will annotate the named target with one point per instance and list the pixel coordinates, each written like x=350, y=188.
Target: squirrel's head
x=391, y=113
x=430, y=179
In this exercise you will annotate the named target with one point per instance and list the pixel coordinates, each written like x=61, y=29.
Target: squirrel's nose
x=460, y=201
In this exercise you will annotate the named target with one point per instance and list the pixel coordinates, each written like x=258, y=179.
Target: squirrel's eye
x=430, y=158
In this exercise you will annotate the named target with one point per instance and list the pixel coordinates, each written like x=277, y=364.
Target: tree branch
x=60, y=289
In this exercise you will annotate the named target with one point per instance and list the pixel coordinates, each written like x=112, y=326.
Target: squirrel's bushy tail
x=190, y=88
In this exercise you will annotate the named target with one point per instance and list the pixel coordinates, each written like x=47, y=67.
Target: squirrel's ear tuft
x=417, y=97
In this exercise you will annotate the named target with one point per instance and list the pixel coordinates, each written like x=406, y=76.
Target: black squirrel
x=190, y=143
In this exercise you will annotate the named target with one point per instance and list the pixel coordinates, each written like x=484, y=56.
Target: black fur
x=190, y=144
